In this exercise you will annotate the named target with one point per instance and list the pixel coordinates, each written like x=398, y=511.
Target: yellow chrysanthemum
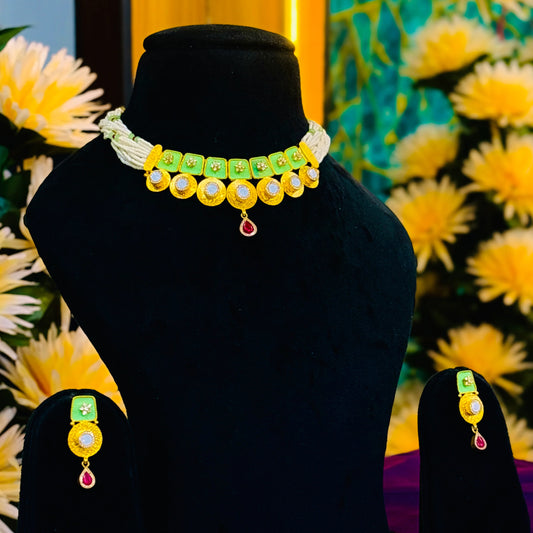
x=525, y=50
x=424, y=152
x=504, y=266
x=500, y=92
x=445, y=45
x=508, y=172
x=48, y=99
x=11, y=443
x=40, y=167
x=520, y=435
x=13, y=269
x=403, y=427
x=432, y=213
x=65, y=360
x=483, y=349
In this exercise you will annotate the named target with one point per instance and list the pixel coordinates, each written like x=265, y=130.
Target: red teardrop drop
x=87, y=479
x=479, y=442
x=248, y=228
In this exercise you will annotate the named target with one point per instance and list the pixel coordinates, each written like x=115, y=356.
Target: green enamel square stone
x=280, y=162
x=83, y=408
x=192, y=164
x=239, y=169
x=169, y=161
x=261, y=167
x=215, y=167
x=295, y=157
x=465, y=381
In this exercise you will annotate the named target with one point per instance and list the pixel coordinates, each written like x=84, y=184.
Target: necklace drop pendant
x=247, y=227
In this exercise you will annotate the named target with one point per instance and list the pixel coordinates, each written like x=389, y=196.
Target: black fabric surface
x=258, y=373
x=51, y=499
x=462, y=489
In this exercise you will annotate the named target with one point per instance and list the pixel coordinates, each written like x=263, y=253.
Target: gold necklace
x=297, y=166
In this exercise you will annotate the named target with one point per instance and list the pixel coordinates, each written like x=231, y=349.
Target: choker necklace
x=158, y=164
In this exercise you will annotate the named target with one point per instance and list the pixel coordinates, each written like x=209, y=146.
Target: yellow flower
x=11, y=442
x=65, y=360
x=506, y=171
x=13, y=269
x=403, y=427
x=40, y=167
x=48, y=99
x=432, y=213
x=483, y=349
x=500, y=92
x=424, y=152
x=525, y=50
x=520, y=435
x=504, y=266
x=446, y=45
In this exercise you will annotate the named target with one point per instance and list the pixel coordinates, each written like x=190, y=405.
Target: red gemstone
x=479, y=442
x=87, y=479
x=248, y=227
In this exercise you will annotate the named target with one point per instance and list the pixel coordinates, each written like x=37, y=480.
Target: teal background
x=365, y=88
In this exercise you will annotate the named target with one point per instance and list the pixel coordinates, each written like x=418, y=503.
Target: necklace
x=297, y=166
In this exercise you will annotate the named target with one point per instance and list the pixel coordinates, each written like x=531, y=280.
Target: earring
x=471, y=406
x=85, y=437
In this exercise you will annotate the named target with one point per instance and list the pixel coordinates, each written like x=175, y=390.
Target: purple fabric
x=400, y=482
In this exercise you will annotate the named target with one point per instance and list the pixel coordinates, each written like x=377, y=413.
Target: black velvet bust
x=258, y=373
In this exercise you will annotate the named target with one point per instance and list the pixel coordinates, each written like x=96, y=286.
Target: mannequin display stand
x=463, y=489
x=51, y=498
x=259, y=372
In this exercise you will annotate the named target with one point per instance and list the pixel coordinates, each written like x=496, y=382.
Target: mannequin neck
x=228, y=91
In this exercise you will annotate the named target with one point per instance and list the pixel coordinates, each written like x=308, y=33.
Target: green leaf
x=15, y=188
x=4, y=155
x=8, y=33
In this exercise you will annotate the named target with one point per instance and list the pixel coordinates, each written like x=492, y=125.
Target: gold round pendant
x=309, y=176
x=242, y=194
x=471, y=408
x=85, y=439
x=183, y=186
x=211, y=192
x=270, y=191
x=157, y=180
x=292, y=184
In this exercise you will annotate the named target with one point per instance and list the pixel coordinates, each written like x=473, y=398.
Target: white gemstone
x=243, y=192
x=296, y=182
x=312, y=173
x=475, y=407
x=272, y=188
x=156, y=176
x=182, y=184
x=86, y=439
x=211, y=189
